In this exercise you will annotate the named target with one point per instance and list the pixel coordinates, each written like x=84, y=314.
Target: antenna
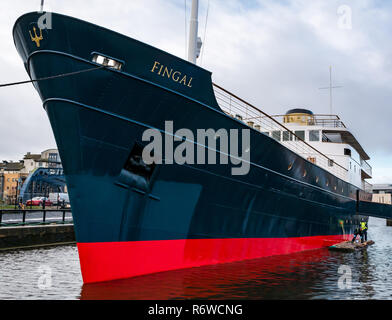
x=42, y=5
x=330, y=89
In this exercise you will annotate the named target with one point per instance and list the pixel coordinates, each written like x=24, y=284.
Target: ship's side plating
x=131, y=221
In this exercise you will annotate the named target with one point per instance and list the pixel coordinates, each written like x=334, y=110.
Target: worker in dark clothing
x=356, y=233
x=363, y=228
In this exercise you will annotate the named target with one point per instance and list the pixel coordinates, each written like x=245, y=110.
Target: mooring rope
x=51, y=77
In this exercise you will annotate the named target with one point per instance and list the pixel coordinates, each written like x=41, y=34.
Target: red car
x=37, y=201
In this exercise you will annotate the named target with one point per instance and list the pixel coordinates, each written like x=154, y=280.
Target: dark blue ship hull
x=127, y=223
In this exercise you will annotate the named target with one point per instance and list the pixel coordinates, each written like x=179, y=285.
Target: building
x=11, y=178
x=13, y=174
x=382, y=193
x=46, y=159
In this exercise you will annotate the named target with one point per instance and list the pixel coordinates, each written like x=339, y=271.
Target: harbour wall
x=19, y=237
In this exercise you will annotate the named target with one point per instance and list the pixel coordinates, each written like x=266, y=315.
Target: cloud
x=276, y=54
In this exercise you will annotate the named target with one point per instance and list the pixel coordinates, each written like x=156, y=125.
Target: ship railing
x=366, y=167
x=321, y=120
x=253, y=117
x=366, y=186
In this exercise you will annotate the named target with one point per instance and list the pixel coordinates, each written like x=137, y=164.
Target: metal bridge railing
x=21, y=217
x=259, y=120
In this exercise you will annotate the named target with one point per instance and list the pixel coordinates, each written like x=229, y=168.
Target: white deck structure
x=321, y=139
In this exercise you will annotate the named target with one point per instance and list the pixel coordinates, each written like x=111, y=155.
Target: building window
x=314, y=135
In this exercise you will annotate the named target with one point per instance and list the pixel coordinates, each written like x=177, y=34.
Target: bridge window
x=300, y=134
x=287, y=136
x=314, y=135
x=347, y=152
x=325, y=138
x=276, y=135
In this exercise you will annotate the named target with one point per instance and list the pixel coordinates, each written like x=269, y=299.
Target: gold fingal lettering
x=172, y=74
x=189, y=83
x=160, y=70
x=183, y=80
x=166, y=71
x=155, y=66
x=176, y=78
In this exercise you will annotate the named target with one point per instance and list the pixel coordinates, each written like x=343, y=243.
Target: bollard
x=1, y=216
x=24, y=216
x=44, y=216
x=63, y=216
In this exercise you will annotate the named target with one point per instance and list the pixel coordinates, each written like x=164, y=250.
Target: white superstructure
x=321, y=139
x=329, y=135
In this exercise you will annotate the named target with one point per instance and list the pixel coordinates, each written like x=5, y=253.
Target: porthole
x=290, y=166
x=334, y=187
x=305, y=173
x=317, y=179
x=327, y=183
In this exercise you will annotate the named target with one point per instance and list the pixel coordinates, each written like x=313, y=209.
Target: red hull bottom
x=103, y=261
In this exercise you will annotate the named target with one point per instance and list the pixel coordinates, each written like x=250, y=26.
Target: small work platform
x=349, y=246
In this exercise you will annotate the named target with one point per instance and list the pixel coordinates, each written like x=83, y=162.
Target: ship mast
x=330, y=89
x=194, y=41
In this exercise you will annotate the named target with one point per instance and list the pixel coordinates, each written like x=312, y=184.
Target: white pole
x=330, y=90
x=193, y=25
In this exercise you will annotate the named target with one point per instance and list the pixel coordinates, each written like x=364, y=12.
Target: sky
x=273, y=53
